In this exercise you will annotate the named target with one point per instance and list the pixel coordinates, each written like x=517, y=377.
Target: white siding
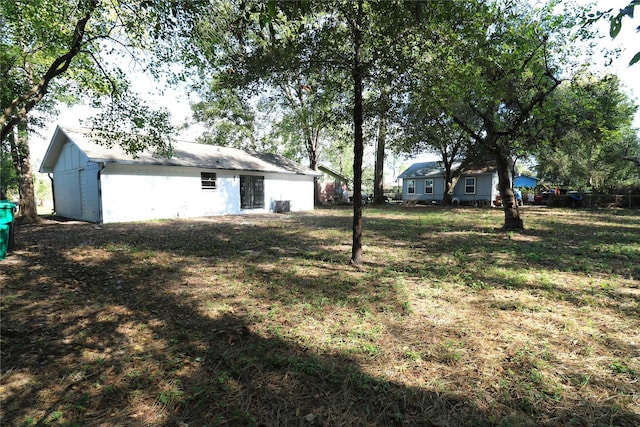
x=114, y=187
x=75, y=182
x=90, y=192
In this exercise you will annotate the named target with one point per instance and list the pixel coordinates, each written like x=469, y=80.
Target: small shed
x=98, y=184
x=333, y=187
x=425, y=183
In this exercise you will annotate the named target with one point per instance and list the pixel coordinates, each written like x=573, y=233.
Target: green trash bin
x=7, y=209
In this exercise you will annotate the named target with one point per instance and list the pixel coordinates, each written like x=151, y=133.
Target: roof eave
x=197, y=166
x=45, y=167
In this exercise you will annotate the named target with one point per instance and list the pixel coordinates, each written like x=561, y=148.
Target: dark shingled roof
x=435, y=169
x=423, y=170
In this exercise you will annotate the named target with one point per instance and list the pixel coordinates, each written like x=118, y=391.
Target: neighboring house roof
x=435, y=169
x=423, y=170
x=333, y=174
x=188, y=154
x=477, y=169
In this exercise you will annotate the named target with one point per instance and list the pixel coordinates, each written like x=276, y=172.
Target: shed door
x=251, y=192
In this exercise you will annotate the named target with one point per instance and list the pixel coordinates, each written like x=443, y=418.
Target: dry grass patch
x=259, y=320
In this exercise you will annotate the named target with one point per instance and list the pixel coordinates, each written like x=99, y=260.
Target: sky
x=629, y=42
x=178, y=101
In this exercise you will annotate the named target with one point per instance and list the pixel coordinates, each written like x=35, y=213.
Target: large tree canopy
x=491, y=70
x=588, y=132
x=72, y=50
x=68, y=51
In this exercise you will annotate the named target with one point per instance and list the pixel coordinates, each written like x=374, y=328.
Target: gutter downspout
x=102, y=166
x=53, y=192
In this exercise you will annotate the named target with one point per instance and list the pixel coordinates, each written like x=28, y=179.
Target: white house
x=98, y=184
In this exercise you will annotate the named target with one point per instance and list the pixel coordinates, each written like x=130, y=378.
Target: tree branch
x=114, y=88
x=10, y=117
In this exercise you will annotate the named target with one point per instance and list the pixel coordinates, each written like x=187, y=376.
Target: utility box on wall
x=282, y=206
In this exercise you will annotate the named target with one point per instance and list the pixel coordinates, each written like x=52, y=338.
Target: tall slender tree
x=351, y=43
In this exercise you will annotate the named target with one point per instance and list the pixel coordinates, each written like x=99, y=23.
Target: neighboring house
x=98, y=184
x=524, y=181
x=333, y=187
x=424, y=183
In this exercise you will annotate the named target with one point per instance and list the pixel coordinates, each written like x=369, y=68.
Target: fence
x=595, y=201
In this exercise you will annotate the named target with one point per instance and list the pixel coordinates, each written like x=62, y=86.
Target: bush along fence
x=594, y=200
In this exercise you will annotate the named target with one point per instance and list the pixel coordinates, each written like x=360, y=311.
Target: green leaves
x=615, y=22
x=616, y=26
x=126, y=121
x=57, y=48
x=588, y=131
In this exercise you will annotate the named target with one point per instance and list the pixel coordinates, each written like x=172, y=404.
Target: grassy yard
x=260, y=321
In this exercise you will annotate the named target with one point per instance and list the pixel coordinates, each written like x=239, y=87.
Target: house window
x=411, y=186
x=428, y=186
x=251, y=192
x=470, y=185
x=208, y=181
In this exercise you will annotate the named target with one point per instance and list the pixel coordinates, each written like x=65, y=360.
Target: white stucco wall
x=138, y=193
x=297, y=189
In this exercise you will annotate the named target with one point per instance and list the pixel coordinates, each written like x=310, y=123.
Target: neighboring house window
x=411, y=186
x=470, y=185
x=208, y=181
x=251, y=192
x=428, y=186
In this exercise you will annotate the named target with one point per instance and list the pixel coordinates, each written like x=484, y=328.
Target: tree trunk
x=378, y=184
x=449, y=184
x=313, y=164
x=512, y=220
x=27, y=210
x=451, y=178
x=358, y=143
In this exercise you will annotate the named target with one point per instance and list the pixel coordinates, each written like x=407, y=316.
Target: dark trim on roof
x=333, y=174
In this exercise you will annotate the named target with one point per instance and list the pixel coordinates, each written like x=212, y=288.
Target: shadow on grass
x=104, y=326
x=82, y=345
